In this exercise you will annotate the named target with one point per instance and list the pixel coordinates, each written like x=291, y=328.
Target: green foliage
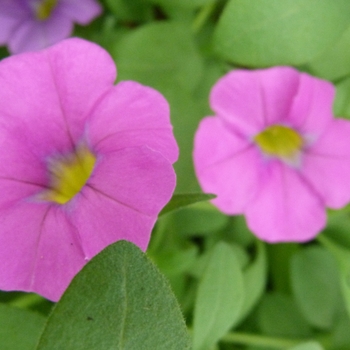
x=118, y=301
x=220, y=298
x=315, y=284
x=181, y=200
x=307, y=346
x=290, y=32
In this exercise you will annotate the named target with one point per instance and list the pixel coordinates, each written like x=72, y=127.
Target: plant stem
x=202, y=16
x=26, y=300
x=260, y=340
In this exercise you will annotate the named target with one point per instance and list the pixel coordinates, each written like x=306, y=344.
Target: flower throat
x=69, y=174
x=44, y=9
x=280, y=141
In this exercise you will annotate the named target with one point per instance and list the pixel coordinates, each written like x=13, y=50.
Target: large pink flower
x=29, y=25
x=83, y=163
x=274, y=152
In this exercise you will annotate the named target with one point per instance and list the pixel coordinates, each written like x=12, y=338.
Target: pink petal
x=252, y=100
x=122, y=199
x=51, y=244
x=132, y=115
x=7, y=26
x=286, y=208
x=226, y=165
x=311, y=111
x=81, y=11
x=56, y=93
x=32, y=35
x=327, y=164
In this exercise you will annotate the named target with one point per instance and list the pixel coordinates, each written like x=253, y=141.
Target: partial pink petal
x=286, y=208
x=122, y=199
x=32, y=35
x=49, y=256
x=7, y=26
x=253, y=100
x=226, y=165
x=326, y=164
x=132, y=115
x=49, y=95
x=311, y=111
x=81, y=11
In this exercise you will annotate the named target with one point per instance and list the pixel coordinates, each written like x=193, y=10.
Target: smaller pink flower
x=30, y=25
x=274, y=152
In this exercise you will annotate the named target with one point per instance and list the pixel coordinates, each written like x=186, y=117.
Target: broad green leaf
x=254, y=278
x=312, y=345
x=19, y=329
x=118, y=301
x=342, y=256
x=181, y=200
x=200, y=218
x=278, y=316
x=161, y=55
x=289, y=32
x=183, y=3
x=335, y=62
x=219, y=298
x=314, y=279
x=342, y=99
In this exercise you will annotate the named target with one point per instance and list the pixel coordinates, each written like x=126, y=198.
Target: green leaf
x=136, y=10
x=307, y=346
x=219, y=299
x=162, y=55
x=313, y=269
x=342, y=99
x=342, y=256
x=19, y=329
x=181, y=200
x=254, y=278
x=278, y=316
x=118, y=301
x=289, y=32
x=335, y=62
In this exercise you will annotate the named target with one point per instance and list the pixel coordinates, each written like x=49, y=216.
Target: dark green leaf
x=118, y=301
x=19, y=329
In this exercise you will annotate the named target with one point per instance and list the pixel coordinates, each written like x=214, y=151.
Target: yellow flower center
x=280, y=141
x=44, y=9
x=69, y=174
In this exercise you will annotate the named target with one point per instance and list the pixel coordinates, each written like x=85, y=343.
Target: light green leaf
x=342, y=256
x=219, y=299
x=278, y=316
x=335, y=62
x=254, y=278
x=161, y=55
x=289, y=32
x=19, y=329
x=118, y=301
x=307, y=346
x=314, y=279
x=181, y=200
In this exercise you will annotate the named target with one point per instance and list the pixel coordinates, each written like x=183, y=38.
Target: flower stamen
x=280, y=141
x=44, y=9
x=69, y=174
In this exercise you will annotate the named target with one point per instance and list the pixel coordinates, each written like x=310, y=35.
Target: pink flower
x=83, y=164
x=29, y=25
x=274, y=152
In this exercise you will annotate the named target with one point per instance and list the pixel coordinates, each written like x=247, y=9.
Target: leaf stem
x=260, y=340
x=202, y=16
x=26, y=300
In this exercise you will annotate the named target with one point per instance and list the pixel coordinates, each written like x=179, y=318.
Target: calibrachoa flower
x=83, y=163
x=274, y=152
x=29, y=25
